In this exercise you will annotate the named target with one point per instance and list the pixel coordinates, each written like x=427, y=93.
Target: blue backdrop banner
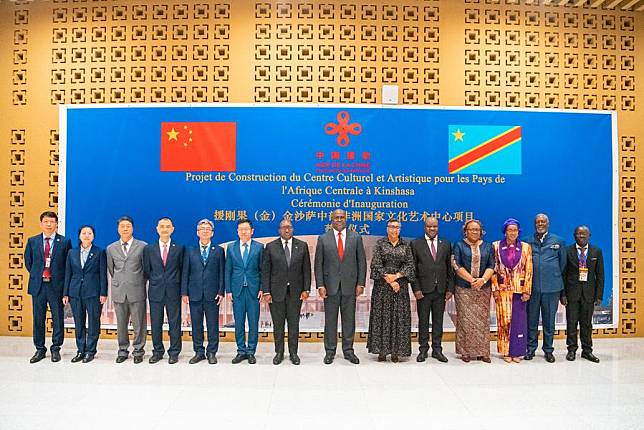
x=228, y=161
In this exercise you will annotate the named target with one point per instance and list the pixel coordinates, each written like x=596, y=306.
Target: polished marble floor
x=372, y=395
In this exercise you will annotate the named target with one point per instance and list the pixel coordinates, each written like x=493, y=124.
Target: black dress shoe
x=212, y=359
x=55, y=356
x=590, y=357
x=421, y=357
x=529, y=356
x=383, y=357
x=550, y=358
x=155, y=358
x=239, y=358
x=351, y=357
x=294, y=359
x=138, y=359
x=278, y=358
x=122, y=358
x=328, y=358
x=78, y=357
x=88, y=358
x=252, y=359
x=394, y=358
x=570, y=356
x=173, y=359
x=197, y=358
x=39, y=355
x=438, y=355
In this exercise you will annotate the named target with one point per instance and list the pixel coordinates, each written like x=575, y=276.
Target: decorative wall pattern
x=503, y=53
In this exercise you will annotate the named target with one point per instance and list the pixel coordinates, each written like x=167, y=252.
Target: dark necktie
x=204, y=254
x=432, y=248
x=287, y=252
x=45, y=272
x=582, y=257
x=125, y=248
x=245, y=254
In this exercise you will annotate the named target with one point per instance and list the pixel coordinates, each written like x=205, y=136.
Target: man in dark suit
x=340, y=274
x=584, y=288
x=163, y=263
x=46, y=259
x=202, y=286
x=244, y=288
x=434, y=285
x=286, y=277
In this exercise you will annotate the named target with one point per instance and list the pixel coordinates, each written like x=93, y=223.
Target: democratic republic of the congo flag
x=485, y=149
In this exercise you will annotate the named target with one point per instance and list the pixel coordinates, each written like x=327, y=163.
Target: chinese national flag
x=198, y=146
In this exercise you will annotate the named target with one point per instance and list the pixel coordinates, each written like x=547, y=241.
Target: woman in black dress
x=392, y=269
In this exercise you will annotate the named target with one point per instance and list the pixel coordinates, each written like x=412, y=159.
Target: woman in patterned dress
x=511, y=288
x=392, y=269
x=473, y=262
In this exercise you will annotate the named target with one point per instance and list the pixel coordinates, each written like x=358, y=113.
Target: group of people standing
x=526, y=278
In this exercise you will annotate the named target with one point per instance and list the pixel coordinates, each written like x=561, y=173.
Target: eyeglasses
x=474, y=229
x=394, y=227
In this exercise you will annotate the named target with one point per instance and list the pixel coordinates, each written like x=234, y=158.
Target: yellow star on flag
x=458, y=135
x=172, y=134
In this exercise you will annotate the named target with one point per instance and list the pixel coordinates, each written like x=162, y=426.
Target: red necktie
x=164, y=256
x=45, y=272
x=433, y=249
x=340, y=247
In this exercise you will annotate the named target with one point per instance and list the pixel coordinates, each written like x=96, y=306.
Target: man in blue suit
x=548, y=265
x=202, y=286
x=163, y=264
x=244, y=288
x=46, y=259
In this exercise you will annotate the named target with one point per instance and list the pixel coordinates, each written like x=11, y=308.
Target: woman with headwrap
x=511, y=288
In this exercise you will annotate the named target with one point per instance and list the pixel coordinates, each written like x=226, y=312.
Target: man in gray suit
x=340, y=274
x=125, y=265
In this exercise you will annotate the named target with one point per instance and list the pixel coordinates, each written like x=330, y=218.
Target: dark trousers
x=246, y=306
x=546, y=305
x=347, y=307
x=86, y=310
x=210, y=309
x=286, y=310
x=172, y=307
x=432, y=303
x=47, y=297
x=580, y=313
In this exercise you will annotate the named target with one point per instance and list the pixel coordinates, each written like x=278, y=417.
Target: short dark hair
x=91, y=227
x=244, y=221
x=125, y=218
x=393, y=219
x=48, y=214
x=165, y=217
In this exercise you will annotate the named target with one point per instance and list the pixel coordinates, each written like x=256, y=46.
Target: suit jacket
x=588, y=291
x=35, y=263
x=89, y=280
x=163, y=280
x=432, y=275
x=128, y=276
x=548, y=263
x=236, y=270
x=201, y=281
x=276, y=274
x=331, y=273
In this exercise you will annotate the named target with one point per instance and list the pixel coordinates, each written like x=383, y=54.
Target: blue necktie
x=204, y=254
x=245, y=254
